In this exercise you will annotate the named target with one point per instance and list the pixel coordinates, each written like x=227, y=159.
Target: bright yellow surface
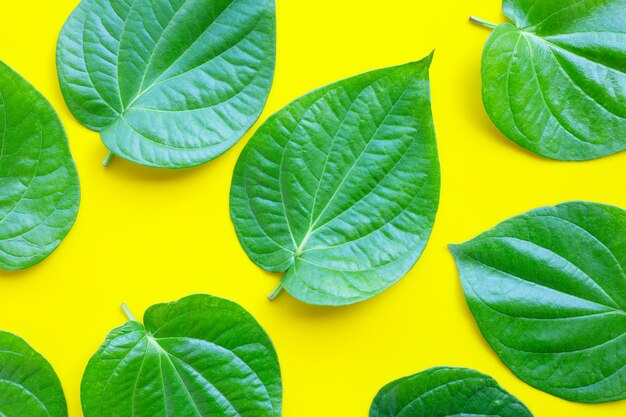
x=145, y=236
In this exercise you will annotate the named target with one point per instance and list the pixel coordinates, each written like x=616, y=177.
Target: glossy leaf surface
x=340, y=188
x=29, y=387
x=554, y=81
x=39, y=189
x=201, y=356
x=446, y=392
x=168, y=83
x=548, y=291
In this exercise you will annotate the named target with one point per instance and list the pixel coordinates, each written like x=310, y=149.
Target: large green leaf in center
x=340, y=188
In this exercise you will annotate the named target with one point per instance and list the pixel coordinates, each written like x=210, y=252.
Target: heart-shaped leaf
x=446, y=392
x=29, y=387
x=548, y=291
x=340, y=188
x=201, y=356
x=39, y=189
x=168, y=83
x=555, y=81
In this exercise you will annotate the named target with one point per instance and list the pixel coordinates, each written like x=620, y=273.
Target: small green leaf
x=39, y=189
x=340, y=188
x=555, y=81
x=29, y=387
x=548, y=291
x=446, y=392
x=168, y=83
x=201, y=356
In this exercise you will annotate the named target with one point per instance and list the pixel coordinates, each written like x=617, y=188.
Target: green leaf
x=548, y=291
x=168, y=83
x=200, y=356
x=29, y=387
x=39, y=189
x=555, y=81
x=443, y=392
x=340, y=188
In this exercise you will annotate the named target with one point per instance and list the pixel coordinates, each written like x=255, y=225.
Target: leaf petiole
x=482, y=22
x=128, y=313
x=107, y=160
x=276, y=292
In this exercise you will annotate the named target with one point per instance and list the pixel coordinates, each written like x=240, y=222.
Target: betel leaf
x=29, y=387
x=554, y=81
x=201, y=356
x=548, y=291
x=39, y=189
x=340, y=188
x=446, y=392
x=168, y=83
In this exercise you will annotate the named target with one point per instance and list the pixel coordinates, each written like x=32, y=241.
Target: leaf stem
x=482, y=22
x=107, y=160
x=277, y=291
x=128, y=313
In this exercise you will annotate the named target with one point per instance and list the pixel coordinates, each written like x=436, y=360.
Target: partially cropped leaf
x=168, y=83
x=201, y=356
x=548, y=291
x=29, y=387
x=446, y=392
x=339, y=189
x=39, y=190
x=554, y=81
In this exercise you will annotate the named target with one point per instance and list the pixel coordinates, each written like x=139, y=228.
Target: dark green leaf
x=548, y=291
x=446, y=392
x=168, y=83
x=201, y=356
x=39, y=190
x=29, y=387
x=555, y=81
x=340, y=188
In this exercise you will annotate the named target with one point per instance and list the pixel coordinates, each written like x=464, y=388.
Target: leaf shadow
x=120, y=167
x=14, y=275
x=304, y=311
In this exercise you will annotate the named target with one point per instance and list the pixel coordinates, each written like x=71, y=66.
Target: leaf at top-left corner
x=39, y=188
x=168, y=83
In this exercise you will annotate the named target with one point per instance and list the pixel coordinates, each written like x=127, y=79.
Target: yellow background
x=145, y=236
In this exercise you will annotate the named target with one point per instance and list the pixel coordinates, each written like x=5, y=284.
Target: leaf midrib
x=444, y=386
x=28, y=392
x=33, y=105
x=162, y=351
x=596, y=284
x=141, y=91
x=4, y=113
x=536, y=25
x=312, y=228
x=464, y=253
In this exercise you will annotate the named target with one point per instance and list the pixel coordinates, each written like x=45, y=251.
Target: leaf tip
x=428, y=60
x=455, y=248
